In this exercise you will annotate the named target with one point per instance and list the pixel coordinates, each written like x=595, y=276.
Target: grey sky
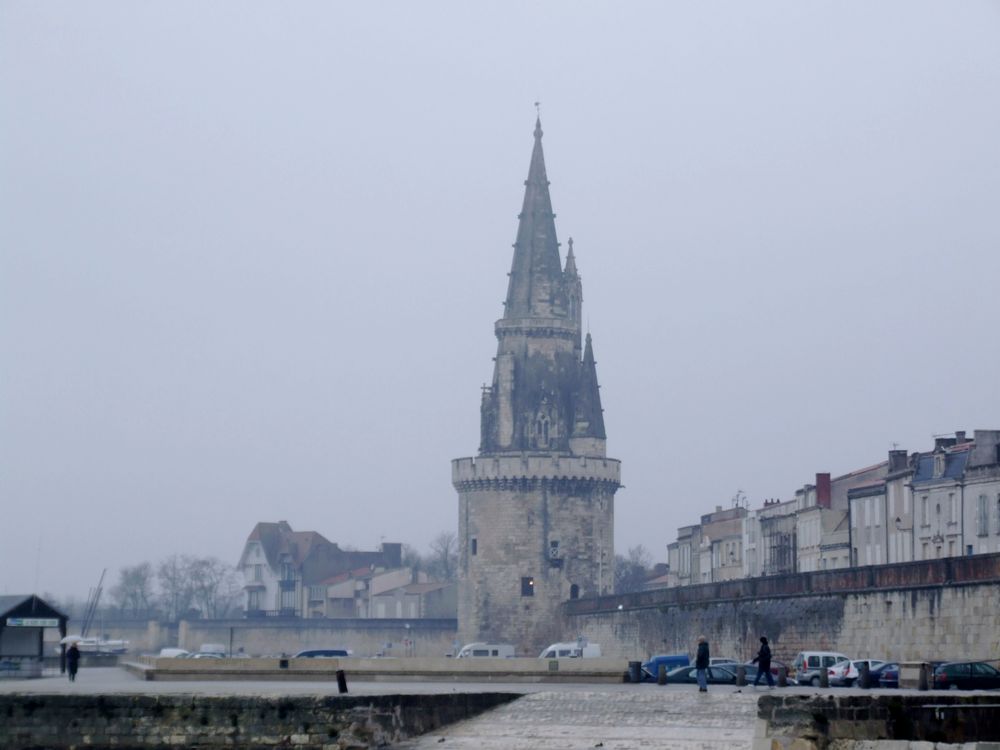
x=251, y=255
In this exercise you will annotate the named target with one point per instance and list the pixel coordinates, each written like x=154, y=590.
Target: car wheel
x=814, y=681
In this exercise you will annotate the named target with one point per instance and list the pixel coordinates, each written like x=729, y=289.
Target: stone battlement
x=546, y=467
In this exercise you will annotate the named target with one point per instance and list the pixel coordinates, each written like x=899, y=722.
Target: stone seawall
x=817, y=722
x=176, y=722
x=288, y=635
x=940, y=609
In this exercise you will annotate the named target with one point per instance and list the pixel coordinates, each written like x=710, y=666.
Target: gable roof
x=27, y=605
x=278, y=540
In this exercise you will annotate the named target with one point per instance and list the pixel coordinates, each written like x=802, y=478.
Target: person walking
x=72, y=661
x=701, y=661
x=763, y=662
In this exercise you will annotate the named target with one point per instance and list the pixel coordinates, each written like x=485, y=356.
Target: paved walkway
x=609, y=720
x=547, y=717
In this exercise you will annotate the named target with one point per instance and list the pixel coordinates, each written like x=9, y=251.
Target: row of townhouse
x=918, y=506
x=290, y=573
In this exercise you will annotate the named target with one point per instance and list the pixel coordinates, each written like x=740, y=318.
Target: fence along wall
x=947, y=608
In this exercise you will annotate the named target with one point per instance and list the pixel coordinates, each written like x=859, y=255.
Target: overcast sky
x=251, y=255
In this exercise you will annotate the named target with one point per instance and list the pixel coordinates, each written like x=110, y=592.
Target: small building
x=23, y=620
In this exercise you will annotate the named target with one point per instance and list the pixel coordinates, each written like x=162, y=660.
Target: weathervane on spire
x=538, y=108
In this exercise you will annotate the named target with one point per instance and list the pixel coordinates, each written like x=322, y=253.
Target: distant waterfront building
x=910, y=507
x=290, y=573
x=536, y=506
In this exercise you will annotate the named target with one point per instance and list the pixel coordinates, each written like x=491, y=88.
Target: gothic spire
x=571, y=260
x=589, y=417
x=535, y=289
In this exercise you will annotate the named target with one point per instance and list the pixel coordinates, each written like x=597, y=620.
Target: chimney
x=823, y=490
x=959, y=436
x=897, y=461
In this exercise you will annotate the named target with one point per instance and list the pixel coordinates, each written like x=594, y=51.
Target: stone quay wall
x=273, y=636
x=818, y=722
x=933, y=609
x=364, y=637
x=173, y=722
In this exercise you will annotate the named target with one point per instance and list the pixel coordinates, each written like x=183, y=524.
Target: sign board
x=32, y=622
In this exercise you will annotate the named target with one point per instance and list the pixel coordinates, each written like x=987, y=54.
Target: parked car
x=808, y=665
x=174, y=653
x=205, y=655
x=885, y=675
x=475, y=650
x=721, y=660
x=718, y=675
x=651, y=669
x=842, y=674
x=322, y=653
x=571, y=650
x=873, y=664
x=966, y=675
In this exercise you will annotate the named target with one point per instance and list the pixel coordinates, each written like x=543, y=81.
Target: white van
x=499, y=650
x=571, y=650
x=809, y=665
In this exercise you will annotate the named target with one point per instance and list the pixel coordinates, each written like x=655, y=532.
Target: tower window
x=574, y=592
x=527, y=586
x=473, y=545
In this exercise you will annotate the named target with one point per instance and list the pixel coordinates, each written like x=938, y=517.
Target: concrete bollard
x=741, y=675
x=864, y=676
x=341, y=681
x=661, y=675
x=924, y=682
x=824, y=677
x=782, y=676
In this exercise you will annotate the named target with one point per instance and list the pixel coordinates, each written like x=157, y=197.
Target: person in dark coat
x=72, y=661
x=763, y=662
x=701, y=661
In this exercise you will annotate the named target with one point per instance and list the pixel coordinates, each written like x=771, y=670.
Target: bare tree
x=176, y=585
x=215, y=586
x=443, y=562
x=134, y=591
x=412, y=559
x=631, y=572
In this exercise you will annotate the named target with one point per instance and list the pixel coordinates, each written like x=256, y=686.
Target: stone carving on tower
x=536, y=505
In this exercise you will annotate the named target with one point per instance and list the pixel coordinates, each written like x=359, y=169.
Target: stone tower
x=536, y=506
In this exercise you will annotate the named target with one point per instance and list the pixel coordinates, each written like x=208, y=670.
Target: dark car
x=966, y=675
x=651, y=669
x=717, y=675
x=885, y=675
x=322, y=653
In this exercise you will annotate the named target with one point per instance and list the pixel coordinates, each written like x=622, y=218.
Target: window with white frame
x=924, y=517
x=952, y=508
x=982, y=516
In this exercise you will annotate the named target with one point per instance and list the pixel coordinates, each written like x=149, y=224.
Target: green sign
x=32, y=622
